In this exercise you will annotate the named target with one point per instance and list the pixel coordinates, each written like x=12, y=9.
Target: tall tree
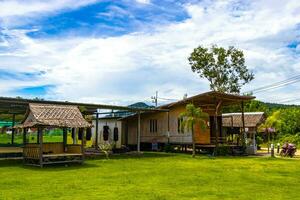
x=191, y=117
x=225, y=69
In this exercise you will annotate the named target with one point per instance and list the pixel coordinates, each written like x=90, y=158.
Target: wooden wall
x=202, y=137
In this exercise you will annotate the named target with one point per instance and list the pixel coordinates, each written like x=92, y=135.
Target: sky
x=121, y=52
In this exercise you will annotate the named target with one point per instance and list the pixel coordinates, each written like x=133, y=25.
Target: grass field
x=155, y=176
x=5, y=139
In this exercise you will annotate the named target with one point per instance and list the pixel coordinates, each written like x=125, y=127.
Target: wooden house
x=164, y=127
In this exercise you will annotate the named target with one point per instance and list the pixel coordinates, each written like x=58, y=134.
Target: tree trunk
x=267, y=131
x=193, y=140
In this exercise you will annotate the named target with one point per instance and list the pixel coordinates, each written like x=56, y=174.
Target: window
x=153, y=125
x=180, y=128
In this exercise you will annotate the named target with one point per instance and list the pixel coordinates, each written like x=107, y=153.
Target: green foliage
x=259, y=140
x=295, y=139
x=290, y=121
x=222, y=150
x=224, y=68
x=273, y=121
x=8, y=117
x=169, y=148
x=191, y=117
x=251, y=106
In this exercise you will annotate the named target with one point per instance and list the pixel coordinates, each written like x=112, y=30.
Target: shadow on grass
x=73, y=166
x=135, y=156
x=19, y=164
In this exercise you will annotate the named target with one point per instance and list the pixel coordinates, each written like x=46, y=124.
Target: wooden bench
x=52, y=153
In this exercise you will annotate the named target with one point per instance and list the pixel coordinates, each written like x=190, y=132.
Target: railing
x=221, y=140
x=31, y=152
x=74, y=148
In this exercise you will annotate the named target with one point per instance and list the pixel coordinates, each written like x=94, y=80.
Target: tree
x=224, y=68
x=191, y=117
x=273, y=121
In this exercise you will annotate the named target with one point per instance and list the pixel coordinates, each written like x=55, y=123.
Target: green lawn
x=155, y=176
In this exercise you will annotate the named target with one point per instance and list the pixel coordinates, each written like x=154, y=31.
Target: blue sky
x=120, y=52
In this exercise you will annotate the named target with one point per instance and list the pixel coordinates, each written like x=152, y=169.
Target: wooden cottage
x=164, y=127
x=42, y=116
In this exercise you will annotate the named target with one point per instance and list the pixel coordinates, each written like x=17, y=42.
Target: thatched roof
x=54, y=116
x=252, y=119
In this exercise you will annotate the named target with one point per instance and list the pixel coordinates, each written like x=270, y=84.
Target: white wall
x=112, y=123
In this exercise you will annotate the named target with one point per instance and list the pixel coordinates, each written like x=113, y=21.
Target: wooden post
x=40, y=136
x=24, y=136
x=74, y=135
x=139, y=133
x=37, y=137
x=13, y=129
x=65, y=134
x=97, y=130
x=168, y=127
x=243, y=123
x=216, y=122
x=82, y=143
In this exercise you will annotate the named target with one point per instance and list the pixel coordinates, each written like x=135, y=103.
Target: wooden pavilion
x=43, y=116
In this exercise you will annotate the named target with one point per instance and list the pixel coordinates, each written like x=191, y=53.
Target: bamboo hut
x=41, y=116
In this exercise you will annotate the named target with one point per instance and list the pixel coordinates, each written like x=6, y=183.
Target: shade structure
x=252, y=119
x=50, y=115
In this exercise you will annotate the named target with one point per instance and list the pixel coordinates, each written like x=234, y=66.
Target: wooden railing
x=73, y=148
x=221, y=140
x=31, y=152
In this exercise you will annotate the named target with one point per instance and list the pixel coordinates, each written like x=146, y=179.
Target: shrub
x=222, y=150
x=295, y=139
x=168, y=148
x=259, y=141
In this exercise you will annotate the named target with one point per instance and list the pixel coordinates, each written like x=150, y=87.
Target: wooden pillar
x=40, y=136
x=65, y=135
x=74, y=135
x=97, y=131
x=24, y=136
x=216, y=122
x=243, y=123
x=168, y=114
x=37, y=137
x=139, y=132
x=13, y=129
x=82, y=142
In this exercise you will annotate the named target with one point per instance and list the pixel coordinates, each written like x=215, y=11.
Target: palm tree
x=272, y=121
x=191, y=117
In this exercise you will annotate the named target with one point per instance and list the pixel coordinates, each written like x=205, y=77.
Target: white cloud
x=144, y=1
x=19, y=12
x=132, y=67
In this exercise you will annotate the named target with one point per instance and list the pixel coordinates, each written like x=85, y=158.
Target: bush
x=168, y=148
x=222, y=150
x=295, y=139
x=259, y=141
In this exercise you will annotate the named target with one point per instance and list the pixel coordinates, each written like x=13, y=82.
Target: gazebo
x=42, y=116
